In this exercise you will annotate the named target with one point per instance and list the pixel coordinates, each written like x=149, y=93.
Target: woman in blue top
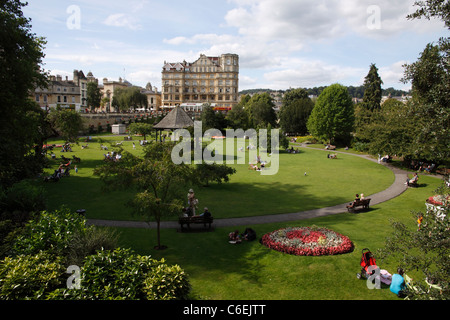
x=398, y=285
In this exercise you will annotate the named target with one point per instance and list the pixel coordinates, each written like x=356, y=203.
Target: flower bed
x=307, y=241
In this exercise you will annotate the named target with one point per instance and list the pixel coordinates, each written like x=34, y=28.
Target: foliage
x=333, y=115
x=391, y=130
x=212, y=119
x=21, y=56
x=260, y=110
x=50, y=232
x=94, y=96
x=156, y=177
x=431, y=9
x=30, y=276
x=430, y=79
x=297, y=107
x=129, y=98
x=237, y=117
x=22, y=197
x=265, y=140
x=166, y=282
x=68, y=123
x=122, y=275
x=206, y=172
x=84, y=243
x=425, y=249
x=372, y=92
x=140, y=128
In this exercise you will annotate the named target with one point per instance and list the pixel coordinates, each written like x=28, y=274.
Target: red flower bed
x=305, y=241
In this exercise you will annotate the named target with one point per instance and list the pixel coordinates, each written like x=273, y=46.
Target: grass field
x=222, y=271
x=327, y=182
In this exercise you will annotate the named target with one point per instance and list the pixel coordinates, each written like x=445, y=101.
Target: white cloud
x=310, y=73
x=392, y=74
x=122, y=20
x=298, y=21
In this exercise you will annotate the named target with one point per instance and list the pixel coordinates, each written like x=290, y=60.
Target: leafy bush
x=30, y=276
x=361, y=146
x=50, y=231
x=22, y=197
x=122, y=275
x=87, y=242
x=166, y=283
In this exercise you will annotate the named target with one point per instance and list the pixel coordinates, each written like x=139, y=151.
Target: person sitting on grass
x=398, y=285
x=249, y=234
x=233, y=237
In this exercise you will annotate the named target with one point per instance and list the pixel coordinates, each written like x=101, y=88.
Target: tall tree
x=159, y=182
x=432, y=9
x=129, y=98
x=261, y=111
x=295, y=111
x=430, y=80
x=68, y=123
x=21, y=54
x=94, y=96
x=237, y=117
x=372, y=89
x=332, y=118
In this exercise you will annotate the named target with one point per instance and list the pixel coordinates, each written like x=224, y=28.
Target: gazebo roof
x=176, y=119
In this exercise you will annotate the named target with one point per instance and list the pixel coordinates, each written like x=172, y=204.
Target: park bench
x=195, y=220
x=413, y=184
x=364, y=204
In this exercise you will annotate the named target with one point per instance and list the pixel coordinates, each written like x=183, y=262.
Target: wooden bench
x=364, y=204
x=195, y=220
x=413, y=184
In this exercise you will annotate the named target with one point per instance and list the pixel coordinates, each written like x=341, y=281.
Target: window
x=59, y=98
x=37, y=97
x=73, y=99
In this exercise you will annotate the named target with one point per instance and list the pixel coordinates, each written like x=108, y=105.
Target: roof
x=176, y=119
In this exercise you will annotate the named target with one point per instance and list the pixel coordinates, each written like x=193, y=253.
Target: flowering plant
x=307, y=241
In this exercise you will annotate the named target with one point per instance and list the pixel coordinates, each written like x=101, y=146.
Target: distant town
x=190, y=85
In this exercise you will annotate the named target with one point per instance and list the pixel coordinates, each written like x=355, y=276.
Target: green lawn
x=327, y=182
x=222, y=271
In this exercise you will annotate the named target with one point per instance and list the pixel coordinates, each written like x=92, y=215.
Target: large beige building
x=64, y=93
x=58, y=93
x=213, y=80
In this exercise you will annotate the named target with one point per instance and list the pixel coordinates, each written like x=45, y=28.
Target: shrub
x=122, y=275
x=50, y=231
x=166, y=283
x=30, y=276
x=87, y=242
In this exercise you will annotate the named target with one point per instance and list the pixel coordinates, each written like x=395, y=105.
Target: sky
x=281, y=44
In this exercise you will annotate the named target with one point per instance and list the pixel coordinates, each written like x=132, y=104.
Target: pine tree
x=373, y=91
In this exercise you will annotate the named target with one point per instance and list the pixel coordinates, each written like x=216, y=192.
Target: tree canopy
x=295, y=111
x=129, y=98
x=333, y=115
x=21, y=54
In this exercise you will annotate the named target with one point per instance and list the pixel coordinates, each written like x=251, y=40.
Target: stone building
x=213, y=80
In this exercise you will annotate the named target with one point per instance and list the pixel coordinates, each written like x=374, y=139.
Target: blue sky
x=281, y=44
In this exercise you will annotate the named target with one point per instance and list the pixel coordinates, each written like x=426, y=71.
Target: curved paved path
x=397, y=188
